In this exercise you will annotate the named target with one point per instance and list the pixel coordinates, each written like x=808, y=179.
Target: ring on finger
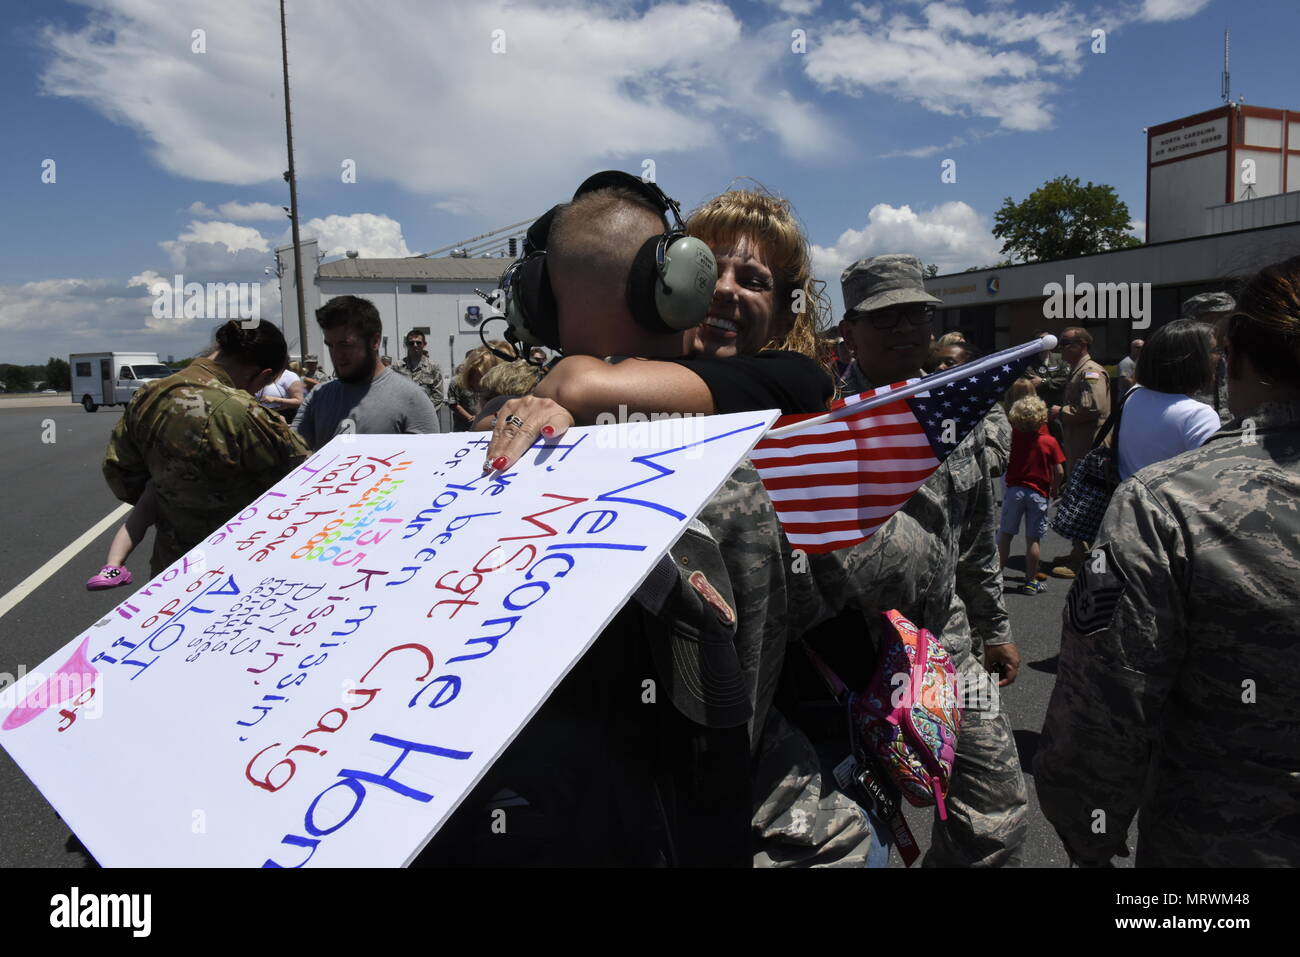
x=515, y=421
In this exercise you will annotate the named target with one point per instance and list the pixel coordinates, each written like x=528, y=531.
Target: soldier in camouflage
x=204, y=441
x=888, y=328
x=420, y=369
x=1180, y=657
x=1049, y=374
x=1214, y=308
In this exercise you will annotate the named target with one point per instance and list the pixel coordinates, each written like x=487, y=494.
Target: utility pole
x=293, y=193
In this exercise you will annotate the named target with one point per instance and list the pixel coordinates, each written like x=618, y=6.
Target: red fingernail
x=548, y=430
x=499, y=463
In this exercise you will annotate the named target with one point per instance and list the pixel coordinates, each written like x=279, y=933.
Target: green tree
x=58, y=375
x=931, y=270
x=1062, y=219
x=16, y=378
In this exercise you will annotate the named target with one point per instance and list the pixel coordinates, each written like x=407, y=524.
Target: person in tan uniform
x=1084, y=410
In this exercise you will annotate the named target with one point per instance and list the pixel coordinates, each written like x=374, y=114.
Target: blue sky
x=168, y=160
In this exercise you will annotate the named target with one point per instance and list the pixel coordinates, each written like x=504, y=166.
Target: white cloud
x=67, y=315
x=1000, y=63
x=952, y=235
x=437, y=112
x=373, y=236
x=244, y=212
x=199, y=208
x=233, y=237
x=1159, y=11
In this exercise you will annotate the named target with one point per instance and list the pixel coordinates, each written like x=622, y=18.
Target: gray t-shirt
x=388, y=404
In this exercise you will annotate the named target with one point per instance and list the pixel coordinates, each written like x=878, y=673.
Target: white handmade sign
x=326, y=677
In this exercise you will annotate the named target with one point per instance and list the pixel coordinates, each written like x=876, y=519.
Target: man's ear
x=846, y=330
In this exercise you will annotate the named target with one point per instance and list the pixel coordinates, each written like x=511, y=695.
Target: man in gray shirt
x=366, y=396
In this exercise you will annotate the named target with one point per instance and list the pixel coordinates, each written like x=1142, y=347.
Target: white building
x=433, y=296
x=1223, y=201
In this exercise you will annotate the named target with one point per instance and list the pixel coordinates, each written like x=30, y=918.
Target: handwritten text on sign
x=324, y=678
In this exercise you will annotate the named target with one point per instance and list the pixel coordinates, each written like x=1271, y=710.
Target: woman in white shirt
x=284, y=395
x=1160, y=418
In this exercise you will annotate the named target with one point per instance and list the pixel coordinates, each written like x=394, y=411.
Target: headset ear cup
x=642, y=288
x=691, y=272
x=536, y=319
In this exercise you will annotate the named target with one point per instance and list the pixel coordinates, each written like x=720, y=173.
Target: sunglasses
x=918, y=314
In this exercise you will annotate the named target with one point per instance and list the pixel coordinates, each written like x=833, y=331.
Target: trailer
x=111, y=378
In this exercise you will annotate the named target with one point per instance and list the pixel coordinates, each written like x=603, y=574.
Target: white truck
x=111, y=378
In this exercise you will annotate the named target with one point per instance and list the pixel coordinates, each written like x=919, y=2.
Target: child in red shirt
x=1033, y=476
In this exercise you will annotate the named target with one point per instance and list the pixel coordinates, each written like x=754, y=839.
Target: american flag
x=833, y=483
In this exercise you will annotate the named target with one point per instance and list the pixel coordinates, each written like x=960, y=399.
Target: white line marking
x=37, y=578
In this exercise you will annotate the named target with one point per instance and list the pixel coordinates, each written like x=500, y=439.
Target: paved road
x=54, y=493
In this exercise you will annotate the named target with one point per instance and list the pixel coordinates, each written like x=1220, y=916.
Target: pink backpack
x=904, y=723
x=908, y=715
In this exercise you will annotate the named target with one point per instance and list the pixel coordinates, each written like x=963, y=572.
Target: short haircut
x=1028, y=413
x=594, y=239
x=359, y=316
x=1176, y=360
x=1080, y=333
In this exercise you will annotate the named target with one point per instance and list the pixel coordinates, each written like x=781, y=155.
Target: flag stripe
x=834, y=483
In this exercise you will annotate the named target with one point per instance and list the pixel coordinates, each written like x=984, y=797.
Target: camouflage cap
x=1198, y=306
x=883, y=281
x=311, y=357
x=691, y=630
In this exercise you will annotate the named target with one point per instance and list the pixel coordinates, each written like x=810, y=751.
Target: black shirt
x=773, y=379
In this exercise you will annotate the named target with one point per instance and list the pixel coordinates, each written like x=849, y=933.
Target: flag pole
x=936, y=381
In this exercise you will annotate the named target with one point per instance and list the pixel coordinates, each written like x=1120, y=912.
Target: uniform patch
x=705, y=589
x=1092, y=375
x=1096, y=593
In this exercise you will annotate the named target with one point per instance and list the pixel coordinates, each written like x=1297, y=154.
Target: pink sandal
x=110, y=576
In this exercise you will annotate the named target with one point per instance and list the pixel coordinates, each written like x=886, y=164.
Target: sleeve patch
x=1096, y=593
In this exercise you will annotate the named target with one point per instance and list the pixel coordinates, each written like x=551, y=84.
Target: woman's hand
x=519, y=423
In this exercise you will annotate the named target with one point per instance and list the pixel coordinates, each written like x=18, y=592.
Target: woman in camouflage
x=201, y=443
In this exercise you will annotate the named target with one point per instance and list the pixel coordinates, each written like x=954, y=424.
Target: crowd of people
x=1175, y=695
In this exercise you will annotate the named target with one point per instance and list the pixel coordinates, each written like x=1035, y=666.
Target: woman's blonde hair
x=509, y=378
x=478, y=362
x=1028, y=414
x=771, y=224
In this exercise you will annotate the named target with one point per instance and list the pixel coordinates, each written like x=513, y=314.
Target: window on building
x=422, y=287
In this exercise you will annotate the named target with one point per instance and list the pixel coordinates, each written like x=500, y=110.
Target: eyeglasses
x=415, y=342
x=916, y=314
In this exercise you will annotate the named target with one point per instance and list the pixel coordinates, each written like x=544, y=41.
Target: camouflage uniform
x=1180, y=659
x=997, y=441
x=1054, y=373
x=209, y=449
x=937, y=563
x=427, y=376
x=1211, y=307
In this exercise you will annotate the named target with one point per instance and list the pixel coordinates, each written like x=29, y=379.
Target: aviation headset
x=669, y=286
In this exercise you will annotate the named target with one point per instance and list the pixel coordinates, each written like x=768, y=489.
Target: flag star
x=974, y=378
x=1006, y=368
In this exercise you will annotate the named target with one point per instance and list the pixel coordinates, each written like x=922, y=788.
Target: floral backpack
x=904, y=724
x=908, y=715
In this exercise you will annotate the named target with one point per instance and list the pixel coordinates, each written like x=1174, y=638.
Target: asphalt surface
x=55, y=492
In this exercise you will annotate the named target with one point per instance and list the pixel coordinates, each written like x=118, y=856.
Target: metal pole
x=293, y=193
